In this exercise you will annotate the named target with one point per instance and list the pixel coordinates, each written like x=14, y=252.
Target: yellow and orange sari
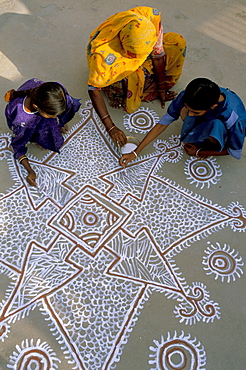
x=119, y=50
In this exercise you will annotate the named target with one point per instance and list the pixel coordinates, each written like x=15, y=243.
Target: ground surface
x=105, y=268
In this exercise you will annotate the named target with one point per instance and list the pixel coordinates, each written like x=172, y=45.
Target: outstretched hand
x=126, y=158
x=118, y=136
x=31, y=178
x=192, y=149
x=166, y=96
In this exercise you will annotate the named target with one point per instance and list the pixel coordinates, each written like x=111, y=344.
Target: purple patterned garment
x=33, y=127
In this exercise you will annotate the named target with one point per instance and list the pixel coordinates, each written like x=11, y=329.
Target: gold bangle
x=161, y=91
x=107, y=115
x=111, y=128
x=134, y=153
x=160, y=83
x=20, y=160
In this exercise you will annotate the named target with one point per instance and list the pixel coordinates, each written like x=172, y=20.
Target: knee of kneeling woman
x=213, y=144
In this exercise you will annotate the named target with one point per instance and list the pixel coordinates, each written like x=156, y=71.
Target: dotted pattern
x=94, y=240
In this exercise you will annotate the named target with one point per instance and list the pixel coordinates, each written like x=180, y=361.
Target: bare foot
x=64, y=129
x=118, y=104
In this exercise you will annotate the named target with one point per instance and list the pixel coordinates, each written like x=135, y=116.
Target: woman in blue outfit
x=214, y=121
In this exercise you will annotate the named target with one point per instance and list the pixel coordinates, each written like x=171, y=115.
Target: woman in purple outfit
x=37, y=112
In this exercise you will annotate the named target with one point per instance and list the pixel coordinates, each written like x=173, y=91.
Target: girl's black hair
x=201, y=94
x=49, y=97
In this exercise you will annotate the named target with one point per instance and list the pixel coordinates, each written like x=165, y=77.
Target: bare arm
x=31, y=177
x=154, y=132
x=193, y=150
x=208, y=153
x=99, y=105
x=159, y=65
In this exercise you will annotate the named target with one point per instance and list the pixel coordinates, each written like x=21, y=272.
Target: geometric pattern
x=88, y=247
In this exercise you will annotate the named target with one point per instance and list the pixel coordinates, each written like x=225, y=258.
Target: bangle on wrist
x=197, y=152
x=22, y=158
x=107, y=115
x=134, y=153
x=111, y=128
x=160, y=83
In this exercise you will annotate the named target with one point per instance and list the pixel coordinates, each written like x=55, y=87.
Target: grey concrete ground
x=112, y=269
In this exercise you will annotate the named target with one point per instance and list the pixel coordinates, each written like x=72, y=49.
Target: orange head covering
x=120, y=45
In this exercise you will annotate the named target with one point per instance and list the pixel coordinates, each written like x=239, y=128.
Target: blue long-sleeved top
x=226, y=123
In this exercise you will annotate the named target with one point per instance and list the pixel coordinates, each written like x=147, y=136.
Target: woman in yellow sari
x=132, y=60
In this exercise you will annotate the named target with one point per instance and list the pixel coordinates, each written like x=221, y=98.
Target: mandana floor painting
x=112, y=268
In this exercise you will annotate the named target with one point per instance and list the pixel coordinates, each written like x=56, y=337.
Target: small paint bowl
x=132, y=144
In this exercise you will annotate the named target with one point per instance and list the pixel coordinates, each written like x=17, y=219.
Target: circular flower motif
x=141, y=121
x=129, y=94
x=110, y=59
x=90, y=219
x=37, y=356
x=177, y=353
x=222, y=262
x=202, y=172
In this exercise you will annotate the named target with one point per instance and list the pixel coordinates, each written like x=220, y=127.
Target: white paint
x=75, y=206
x=128, y=148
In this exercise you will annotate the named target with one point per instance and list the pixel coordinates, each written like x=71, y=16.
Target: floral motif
x=141, y=121
x=177, y=352
x=202, y=172
x=110, y=59
x=32, y=355
x=223, y=262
